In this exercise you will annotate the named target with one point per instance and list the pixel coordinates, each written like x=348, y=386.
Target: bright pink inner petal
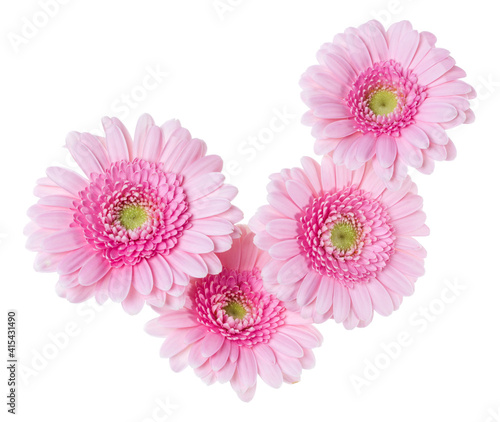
x=141, y=185
x=385, y=76
x=260, y=313
x=370, y=229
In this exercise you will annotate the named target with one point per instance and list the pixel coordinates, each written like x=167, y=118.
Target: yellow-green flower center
x=383, y=102
x=235, y=310
x=133, y=216
x=343, y=236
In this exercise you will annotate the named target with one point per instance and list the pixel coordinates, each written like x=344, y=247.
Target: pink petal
x=162, y=273
x=203, y=185
x=93, y=270
x=381, y=300
x=341, y=302
x=209, y=207
x=172, y=345
x=409, y=223
x=408, y=264
x=302, y=335
x=195, y=358
x=416, y=136
x=65, y=240
x=119, y=283
x=283, y=228
x=361, y=302
x=386, y=150
x=406, y=47
x=144, y=123
x=340, y=67
x=116, y=142
x=94, y=144
x=308, y=288
x=211, y=344
x=57, y=201
x=394, y=280
x=83, y=155
x=294, y=270
x=194, y=334
x=142, y=278
x=299, y=193
x=286, y=345
x=285, y=250
x=269, y=372
x=283, y=204
x=47, y=262
x=213, y=226
x=332, y=111
x=193, y=150
x=340, y=128
x=188, y=263
x=247, y=367
x=194, y=242
x=436, y=112
x=366, y=147
x=324, y=299
x=227, y=372
x=436, y=71
x=313, y=172
x=54, y=219
x=67, y=179
x=133, y=303
x=207, y=164
x=153, y=145
x=179, y=361
x=409, y=154
x=74, y=260
x=219, y=358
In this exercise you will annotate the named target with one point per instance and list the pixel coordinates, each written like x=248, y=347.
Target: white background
x=224, y=75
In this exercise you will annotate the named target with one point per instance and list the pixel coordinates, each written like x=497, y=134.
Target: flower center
x=385, y=98
x=234, y=304
x=133, y=211
x=133, y=216
x=235, y=310
x=343, y=236
x=347, y=235
x=383, y=102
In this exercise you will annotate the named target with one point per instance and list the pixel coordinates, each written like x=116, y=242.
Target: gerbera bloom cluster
x=341, y=242
x=231, y=329
x=386, y=96
x=151, y=220
x=150, y=213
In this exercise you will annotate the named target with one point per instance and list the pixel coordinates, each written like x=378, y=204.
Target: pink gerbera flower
x=386, y=95
x=341, y=242
x=231, y=329
x=150, y=213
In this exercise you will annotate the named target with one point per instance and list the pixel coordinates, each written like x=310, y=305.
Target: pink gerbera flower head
x=231, y=329
x=150, y=213
x=341, y=242
x=387, y=96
